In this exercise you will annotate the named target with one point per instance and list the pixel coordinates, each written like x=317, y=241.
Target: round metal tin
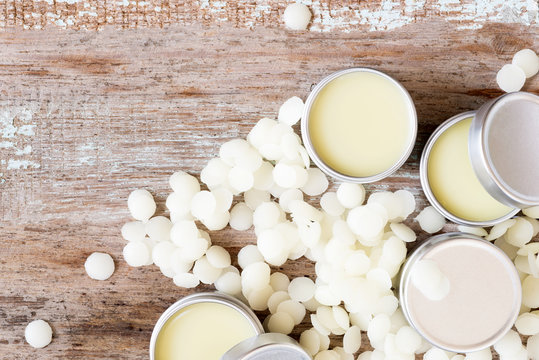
x=504, y=147
x=312, y=151
x=271, y=346
x=427, y=247
x=213, y=297
x=423, y=175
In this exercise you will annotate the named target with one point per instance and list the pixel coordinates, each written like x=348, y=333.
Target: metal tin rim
x=307, y=137
x=482, y=163
x=423, y=176
x=213, y=297
x=418, y=254
x=262, y=344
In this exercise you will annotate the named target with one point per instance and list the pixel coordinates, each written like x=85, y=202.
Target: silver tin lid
x=444, y=239
x=306, y=137
x=504, y=148
x=270, y=346
x=424, y=178
x=212, y=297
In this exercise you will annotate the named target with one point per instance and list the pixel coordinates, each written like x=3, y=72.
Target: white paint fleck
x=89, y=13
x=25, y=151
x=21, y=164
x=6, y=144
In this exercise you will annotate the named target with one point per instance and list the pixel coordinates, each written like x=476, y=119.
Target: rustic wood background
x=87, y=116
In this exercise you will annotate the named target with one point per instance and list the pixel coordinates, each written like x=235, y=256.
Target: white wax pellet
x=185, y=280
x=484, y=354
x=365, y=221
x=141, y=204
x=378, y=328
x=509, y=344
x=428, y=278
x=352, y=340
x=284, y=175
x=288, y=196
x=38, y=334
x=403, y=232
x=162, y=253
x=386, y=305
x=179, y=263
x=527, y=324
x=217, y=221
x=330, y=204
x=341, y=317
x=342, y=231
x=500, y=229
x=528, y=61
x=310, y=341
x=279, y=281
x=240, y=179
x=181, y=208
x=520, y=233
x=407, y=202
x=275, y=299
x=324, y=340
x=229, y=283
x=218, y=257
x=532, y=347
x=357, y=264
x=230, y=150
x=478, y=231
x=435, y=354
x=458, y=357
x=317, y=182
x=319, y=326
x=327, y=355
x=258, y=298
x=215, y=173
x=273, y=246
x=291, y=110
x=532, y=212
x=351, y=195
x=362, y=320
x=99, y=266
x=158, y=228
x=407, y=340
x=380, y=278
x=281, y=322
x=531, y=248
x=205, y=272
x=389, y=201
x=301, y=289
x=530, y=292
x=510, y=78
x=258, y=134
x=249, y=255
x=297, y=16
x=168, y=272
x=266, y=215
x=241, y=217
x=430, y=220
x=203, y=204
x=325, y=296
x=183, y=232
x=343, y=355
x=184, y=184
x=263, y=177
x=256, y=276
x=136, y=253
x=195, y=249
x=249, y=160
x=295, y=309
x=254, y=197
x=366, y=355
x=223, y=199
x=134, y=230
x=304, y=211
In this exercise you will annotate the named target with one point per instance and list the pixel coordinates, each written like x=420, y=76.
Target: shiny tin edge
x=425, y=185
x=214, y=297
x=424, y=248
x=481, y=161
x=306, y=137
x=265, y=344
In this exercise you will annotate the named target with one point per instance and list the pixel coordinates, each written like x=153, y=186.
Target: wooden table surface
x=87, y=116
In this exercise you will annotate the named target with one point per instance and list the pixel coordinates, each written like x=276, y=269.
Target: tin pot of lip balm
x=480, y=302
x=216, y=326
x=480, y=168
x=359, y=125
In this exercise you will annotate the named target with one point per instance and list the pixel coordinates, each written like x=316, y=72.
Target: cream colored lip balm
x=359, y=125
x=484, y=293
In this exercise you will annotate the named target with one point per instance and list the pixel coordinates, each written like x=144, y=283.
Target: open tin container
x=484, y=295
x=259, y=346
x=502, y=146
x=408, y=120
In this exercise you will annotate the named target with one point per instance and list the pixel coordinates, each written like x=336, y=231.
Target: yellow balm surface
x=202, y=331
x=453, y=181
x=360, y=124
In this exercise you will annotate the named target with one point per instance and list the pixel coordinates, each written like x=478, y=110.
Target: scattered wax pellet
x=484, y=354
x=331, y=205
x=352, y=340
x=205, y=272
x=295, y=309
x=407, y=200
x=520, y=233
x=343, y=355
x=458, y=357
x=291, y=110
x=317, y=182
x=365, y=222
x=350, y=195
x=241, y=217
x=266, y=215
x=319, y=326
x=203, y=204
x=158, y=228
x=530, y=292
x=229, y=283
x=99, y=266
x=258, y=299
x=184, y=184
x=233, y=149
x=528, y=61
x=357, y=263
x=527, y=324
x=141, y=204
x=327, y=355
x=136, y=253
x=378, y=328
x=301, y=289
x=38, y=334
x=275, y=299
x=430, y=220
x=223, y=199
x=195, y=249
x=178, y=262
x=162, y=253
x=297, y=16
x=510, y=78
x=326, y=318
x=500, y=229
x=133, y=231
x=403, y=232
x=249, y=255
x=407, y=340
x=429, y=279
x=281, y=322
x=509, y=344
x=288, y=196
x=240, y=179
x=273, y=247
x=310, y=341
x=435, y=354
x=183, y=232
x=214, y=173
x=532, y=347
x=341, y=317
x=279, y=281
x=256, y=276
x=532, y=212
x=218, y=257
x=477, y=231
x=366, y=355
x=254, y=197
x=186, y=280
x=217, y=221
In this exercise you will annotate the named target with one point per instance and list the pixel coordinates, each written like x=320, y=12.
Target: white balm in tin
x=359, y=125
x=482, y=301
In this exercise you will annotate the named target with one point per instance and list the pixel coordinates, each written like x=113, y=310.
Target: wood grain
x=118, y=110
